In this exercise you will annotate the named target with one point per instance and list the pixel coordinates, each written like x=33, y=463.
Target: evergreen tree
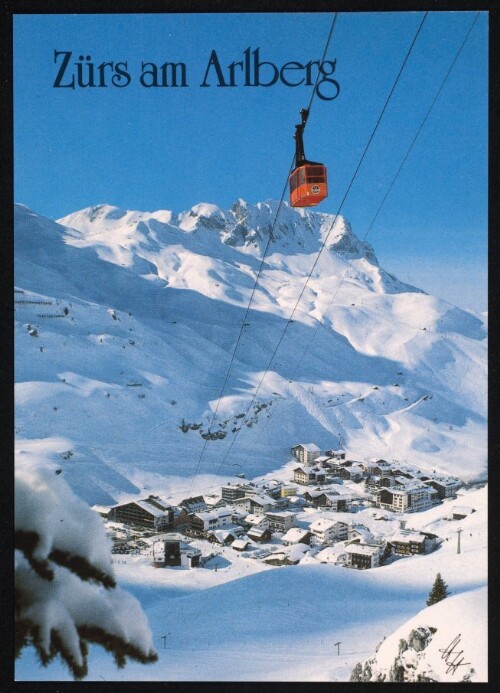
x=66, y=594
x=438, y=592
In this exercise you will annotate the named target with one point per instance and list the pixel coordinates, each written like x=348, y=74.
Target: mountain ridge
x=368, y=360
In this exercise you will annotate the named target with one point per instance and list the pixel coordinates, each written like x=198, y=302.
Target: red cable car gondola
x=308, y=183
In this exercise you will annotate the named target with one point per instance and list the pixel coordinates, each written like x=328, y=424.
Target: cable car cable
x=395, y=177
x=261, y=267
x=289, y=321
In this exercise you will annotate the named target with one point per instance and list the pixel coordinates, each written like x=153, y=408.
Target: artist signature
x=453, y=657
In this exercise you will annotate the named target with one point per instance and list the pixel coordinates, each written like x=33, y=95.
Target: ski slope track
x=126, y=323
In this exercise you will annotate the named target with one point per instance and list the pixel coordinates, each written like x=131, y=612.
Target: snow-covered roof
x=159, y=502
x=447, y=481
x=328, y=555
x=407, y=537
x=222, y=534
x=366, y=549
x=214, y=514
x=240, y=544
x=263, y=500
x=462, y=510
x=314, y=493
x=310, y=447
x=212, y=500
x=296, y=551
x=355, y=468
x=257, y=531
x=322, y=524
x=281, y=513
x=151, y=509
x=334, y=495
x=254, y=519
x=294, y=534
x=362, y=531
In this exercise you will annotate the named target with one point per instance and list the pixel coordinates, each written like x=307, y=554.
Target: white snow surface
x=456, y=650
x=249, y=621
x=126, y=323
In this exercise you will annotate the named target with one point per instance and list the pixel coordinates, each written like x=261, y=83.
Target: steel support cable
x=394, y=179
x=290, y=318
x=261, y=267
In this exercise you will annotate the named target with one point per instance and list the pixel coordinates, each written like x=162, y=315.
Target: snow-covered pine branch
x=66, y=594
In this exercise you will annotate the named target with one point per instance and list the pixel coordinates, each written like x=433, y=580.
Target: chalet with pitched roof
x=297, y=535
x=306, y=453
x=281, y=521
x=308, y=475
x=407, y=542
x=151, y=513
x=327, y=530
x=259, y=534
x=193, y=505
x=363, y=556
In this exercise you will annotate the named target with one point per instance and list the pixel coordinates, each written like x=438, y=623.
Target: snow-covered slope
x=126, y=323
x=440, y=643
x=250, y=622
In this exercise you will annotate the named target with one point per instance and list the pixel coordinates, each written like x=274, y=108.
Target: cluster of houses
x=394, y=487
x=250, y=514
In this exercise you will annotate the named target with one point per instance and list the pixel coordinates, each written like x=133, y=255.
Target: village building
x=260, y=505
x=400, y=471
x=306, y=453
x=312, y=495
x=381, y=468
x=271, y=488
x=252, y=520
x=259, y=534
x=325, y=462
x=206, y=521
x=359, y=533
x=288, y=491
x=174, y=552
x=290, y=555
x=363, y=556
x=387, y=482
x=460, y=512
x=334, y=501
x=352, y=473
x=223, y=537
x=151, y=513
x=445, y=487
x=281, y=521
x=296, y=535
x=328, y=530
x=308, y=475
x=193, y=505
x=214, y=502
x=240, y=544
x=231, y=492
x=335, y=454
x=241, y=504
x=407, y=542
x=414, y=497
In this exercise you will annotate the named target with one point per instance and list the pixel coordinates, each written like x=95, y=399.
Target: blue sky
x=170, y=148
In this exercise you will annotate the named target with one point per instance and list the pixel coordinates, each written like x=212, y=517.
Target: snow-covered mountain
x=126, y=323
